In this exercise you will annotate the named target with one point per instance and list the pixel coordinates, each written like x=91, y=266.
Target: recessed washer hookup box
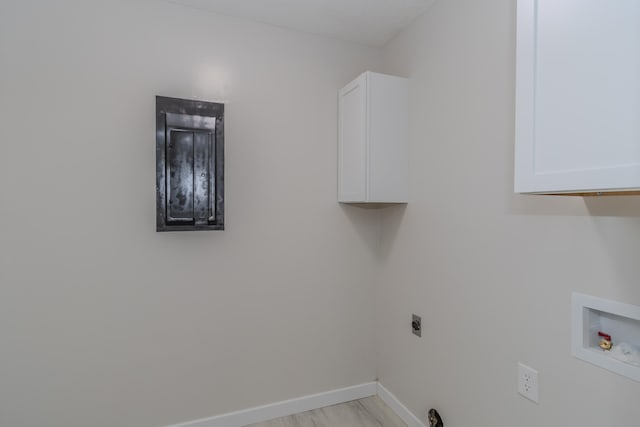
x=607, y=334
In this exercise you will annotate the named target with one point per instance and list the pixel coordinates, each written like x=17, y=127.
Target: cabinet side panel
x=352, y=147
x=389, y=139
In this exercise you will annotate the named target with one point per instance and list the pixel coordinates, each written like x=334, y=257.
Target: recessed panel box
x=189, y=165
x=596, y=320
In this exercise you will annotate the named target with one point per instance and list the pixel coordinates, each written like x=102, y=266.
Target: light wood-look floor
x=367, y=412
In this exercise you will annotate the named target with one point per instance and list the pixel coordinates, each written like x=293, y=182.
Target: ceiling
x=370, y=22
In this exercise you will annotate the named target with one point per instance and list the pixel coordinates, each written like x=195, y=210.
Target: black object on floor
x=434, y=418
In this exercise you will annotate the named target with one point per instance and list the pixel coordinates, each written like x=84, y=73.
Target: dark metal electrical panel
x=189, y=165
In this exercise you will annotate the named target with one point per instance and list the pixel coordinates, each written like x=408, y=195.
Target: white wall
x=491, y=272
x=103, y=321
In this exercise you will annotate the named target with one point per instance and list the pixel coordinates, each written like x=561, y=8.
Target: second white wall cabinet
x=577, y=96
x=373, y=140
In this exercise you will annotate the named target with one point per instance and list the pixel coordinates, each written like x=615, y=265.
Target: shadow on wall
x=391, y=219
x=616, y=220
x=542, y=205
x=374, y=211
x=615, y=206
x=368, y=230
x=558, y=205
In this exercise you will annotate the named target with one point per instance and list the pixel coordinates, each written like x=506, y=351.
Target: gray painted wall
x=103, y=321
x=106, y=323
x=491, y=272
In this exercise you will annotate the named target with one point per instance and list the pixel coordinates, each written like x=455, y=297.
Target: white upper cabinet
x=373, y=137
x=577, y=96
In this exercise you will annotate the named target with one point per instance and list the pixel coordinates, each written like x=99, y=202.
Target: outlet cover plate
x=528, y=382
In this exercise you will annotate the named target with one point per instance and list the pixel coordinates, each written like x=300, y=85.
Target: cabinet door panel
x=578, y=95
x=353, y=143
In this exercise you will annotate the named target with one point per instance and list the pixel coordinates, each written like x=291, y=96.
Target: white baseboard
x=406, y=415
x=286, y=407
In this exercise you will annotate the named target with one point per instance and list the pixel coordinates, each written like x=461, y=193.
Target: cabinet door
x=578, y=96
x=352, y=142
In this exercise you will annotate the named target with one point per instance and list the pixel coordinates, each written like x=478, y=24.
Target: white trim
x=405, y=414
x=287, y=407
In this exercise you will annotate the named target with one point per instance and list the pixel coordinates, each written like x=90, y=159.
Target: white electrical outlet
x=528, y=382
